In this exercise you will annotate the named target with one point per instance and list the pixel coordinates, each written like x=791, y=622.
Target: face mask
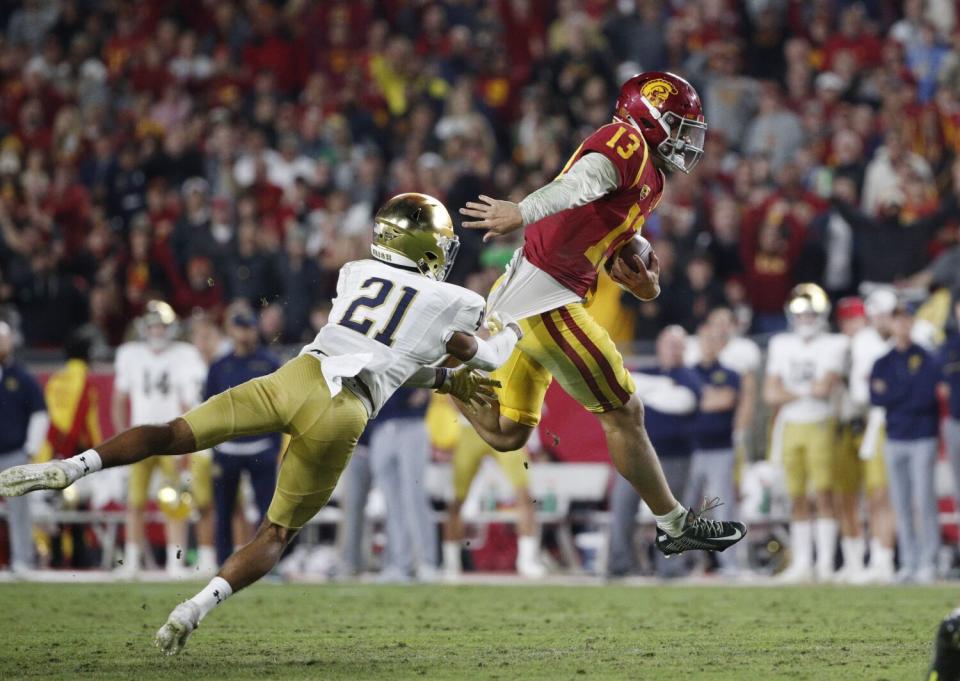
x=808, y=330
x=157, y=343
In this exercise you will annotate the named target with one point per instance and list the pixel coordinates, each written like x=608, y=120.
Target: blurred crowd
x=208, y=151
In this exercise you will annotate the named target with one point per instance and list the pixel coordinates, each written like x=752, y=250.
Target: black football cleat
x=701, y=534
x=946, y=651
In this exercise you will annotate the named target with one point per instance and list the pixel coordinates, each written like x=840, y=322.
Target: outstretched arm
x=466, y=384
x=485, y=355
x=591, y=177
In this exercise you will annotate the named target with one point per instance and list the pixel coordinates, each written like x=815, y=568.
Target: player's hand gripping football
x=470, y=387
x=640, y=280
x=497, y=217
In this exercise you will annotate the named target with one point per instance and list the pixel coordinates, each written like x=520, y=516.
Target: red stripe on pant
x=597, y=355
x=578, y=362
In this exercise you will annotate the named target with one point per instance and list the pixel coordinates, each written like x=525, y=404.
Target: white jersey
x=162, y=384
x=740, y=354
x=866, y=348
x=386, y=323
x=800, y=363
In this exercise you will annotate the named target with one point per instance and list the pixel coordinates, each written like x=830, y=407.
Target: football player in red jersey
x=573, y=226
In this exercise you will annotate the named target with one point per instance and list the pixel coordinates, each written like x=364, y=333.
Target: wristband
x=443, y=375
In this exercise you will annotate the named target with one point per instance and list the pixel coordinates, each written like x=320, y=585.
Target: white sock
x=528, y=549
x=84, y=464
x=801, y=543
x=174, y=555
x=853, y=549
x=206, y=557
x=672, y=521
x=451, y=557
x=881, y=557
x=212, y=595
x=826, y=530
x=131, y=555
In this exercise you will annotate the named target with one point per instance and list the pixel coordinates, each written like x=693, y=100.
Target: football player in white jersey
x=393, y=321
x=867, y=346
x=804, y=369
x=156, y=379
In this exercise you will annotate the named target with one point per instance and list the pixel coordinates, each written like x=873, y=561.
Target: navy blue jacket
x=672, y=434
x=20, y=397
x=714, y=430
x=905, y=383
x=232, y=370
x=950, y=360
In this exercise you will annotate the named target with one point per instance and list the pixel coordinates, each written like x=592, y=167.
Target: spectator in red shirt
x=855, y=37
x=770, y=250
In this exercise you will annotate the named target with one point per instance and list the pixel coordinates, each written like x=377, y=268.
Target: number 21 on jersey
x=388, y=329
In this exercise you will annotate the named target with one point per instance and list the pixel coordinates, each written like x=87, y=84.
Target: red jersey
x=573, y=244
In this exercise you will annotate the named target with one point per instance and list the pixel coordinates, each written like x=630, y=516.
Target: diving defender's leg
x=128, y=447
x=242, y=569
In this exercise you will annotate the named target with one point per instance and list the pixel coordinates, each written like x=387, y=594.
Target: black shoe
x=701, y=534
x=946, y=651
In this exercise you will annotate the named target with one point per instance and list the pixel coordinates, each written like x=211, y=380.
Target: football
x=638, y=245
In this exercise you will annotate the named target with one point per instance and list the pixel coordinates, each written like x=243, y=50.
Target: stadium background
x=208, y=151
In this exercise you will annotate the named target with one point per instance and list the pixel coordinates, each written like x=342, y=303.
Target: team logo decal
x=657, y=91
x=914, y=363
x=644, y=192
x=12, y=384
x=719, y=376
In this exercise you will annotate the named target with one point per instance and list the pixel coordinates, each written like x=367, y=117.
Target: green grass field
x=67, y=631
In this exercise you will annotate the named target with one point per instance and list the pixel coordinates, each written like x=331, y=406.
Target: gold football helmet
x=158, y=324
x=808, y=309
x=415, y=231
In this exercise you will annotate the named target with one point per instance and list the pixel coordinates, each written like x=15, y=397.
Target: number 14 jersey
x=386, y=323
x=571, y=245
x=161, y=383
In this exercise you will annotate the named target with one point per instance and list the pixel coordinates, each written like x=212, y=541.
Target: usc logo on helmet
x=657, y=91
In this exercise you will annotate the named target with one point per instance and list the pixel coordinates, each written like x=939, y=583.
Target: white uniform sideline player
x=157, y=378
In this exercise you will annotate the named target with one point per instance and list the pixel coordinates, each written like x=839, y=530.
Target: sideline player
x=860, y=460
x=156, y=379
x=394, y=317
x=804, y=369
x=574, y=225
x=448, y=430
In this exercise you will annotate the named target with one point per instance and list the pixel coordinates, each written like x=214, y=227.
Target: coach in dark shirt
x=23, y=428
x=904, y=382
x=713, y=462
x=255, y=454
x=950, y=361
x=671, y=394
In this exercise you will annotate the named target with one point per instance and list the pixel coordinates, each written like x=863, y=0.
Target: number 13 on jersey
x=387, y=324
x=626, y=148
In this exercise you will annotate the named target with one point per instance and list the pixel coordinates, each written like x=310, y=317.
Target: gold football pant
x=295, y=400
x=808, y=456
x=138, y=485
x=853, y=473
x=469, y=454
x=201, y=480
